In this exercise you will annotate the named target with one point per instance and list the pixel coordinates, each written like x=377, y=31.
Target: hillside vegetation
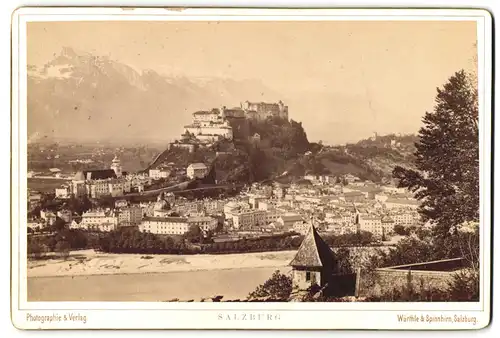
x=284, y=151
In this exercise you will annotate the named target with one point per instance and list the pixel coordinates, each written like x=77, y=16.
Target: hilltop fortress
x=216, y=124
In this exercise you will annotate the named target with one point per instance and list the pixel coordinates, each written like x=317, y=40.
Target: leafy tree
x=58, y=225
x=464, y=286
x=278, y=287
x=63, y=247
x=34, y=213
x=401, y=230
x=343, y=258
x=447, y=158
x=194, y=234
x=78, y=205
x=105, y=202
x=34, y=249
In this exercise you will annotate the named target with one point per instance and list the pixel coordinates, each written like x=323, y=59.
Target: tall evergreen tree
x=447, y=157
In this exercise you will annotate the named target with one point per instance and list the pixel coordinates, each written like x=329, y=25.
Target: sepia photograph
x=265, y=160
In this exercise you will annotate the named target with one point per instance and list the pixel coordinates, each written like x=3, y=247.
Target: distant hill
x=370, y=159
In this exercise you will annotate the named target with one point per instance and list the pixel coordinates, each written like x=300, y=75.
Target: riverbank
x=88, y=263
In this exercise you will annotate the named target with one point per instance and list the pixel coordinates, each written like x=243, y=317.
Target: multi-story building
x=272, y=215
x=189, y=208
x=334, y=218
x=388, y=224
x=399, y=203
x=34, y=199
x=157, y=174
x=371, y=224
x=233, y=207
x=405, y=218
x=248, y=219
x=115, y=188
x=196, y=170
x=263, y=110
x=98, y=220
x=176, y=225
x=63, y=192
x=121, y=204
x=320, y=179
x=98, y=188
x=213, y=206
x=351, y=228
x=301, y=227
x=78, y=187
x=288, y=220
x=213, y=115
x=232, y=113
x=131, y=215
x=165, y=225
x=35, y=226
x=48, y=216
x=254, y=200
x=104, y=182
x=205, y=223
x=99, y=216
x=210, y=130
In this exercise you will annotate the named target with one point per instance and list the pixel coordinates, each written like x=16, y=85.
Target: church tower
x=116, y=166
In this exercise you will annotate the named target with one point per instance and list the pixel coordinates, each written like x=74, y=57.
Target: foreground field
x=84, y=263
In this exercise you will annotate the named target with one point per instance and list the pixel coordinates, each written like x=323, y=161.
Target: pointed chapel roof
x=314, y=252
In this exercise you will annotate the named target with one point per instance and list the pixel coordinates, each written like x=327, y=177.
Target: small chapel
x=314, y=263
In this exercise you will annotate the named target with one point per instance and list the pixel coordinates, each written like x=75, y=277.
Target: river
x=230, y=283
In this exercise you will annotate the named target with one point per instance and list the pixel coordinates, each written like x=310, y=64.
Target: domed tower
x=116, y=166
x=162, y=208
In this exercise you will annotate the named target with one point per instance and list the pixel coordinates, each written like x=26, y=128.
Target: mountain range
x=84, y=97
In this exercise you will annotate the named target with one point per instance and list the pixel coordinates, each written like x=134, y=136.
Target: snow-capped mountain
x=82, y=96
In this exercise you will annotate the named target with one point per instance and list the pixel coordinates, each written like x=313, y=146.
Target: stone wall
x=386, y=281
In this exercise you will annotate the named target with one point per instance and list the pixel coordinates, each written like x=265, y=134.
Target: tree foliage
x=194, y=234
x=447, y=157
x=78, y=205
x=278, y=287
x=431, y=248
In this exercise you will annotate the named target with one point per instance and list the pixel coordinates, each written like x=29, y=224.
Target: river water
x=231, y=283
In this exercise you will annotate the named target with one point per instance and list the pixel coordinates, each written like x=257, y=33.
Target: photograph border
x=286, y=312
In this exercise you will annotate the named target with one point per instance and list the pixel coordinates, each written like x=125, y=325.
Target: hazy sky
x=398, y=63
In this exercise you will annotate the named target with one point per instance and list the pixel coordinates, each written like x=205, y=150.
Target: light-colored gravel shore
x=88, y=262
